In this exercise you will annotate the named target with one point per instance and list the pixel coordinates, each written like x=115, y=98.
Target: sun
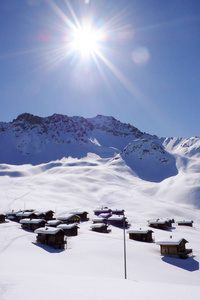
x=86, y=40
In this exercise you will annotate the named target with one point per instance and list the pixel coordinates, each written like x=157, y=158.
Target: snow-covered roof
x=53, y=222
x=114, y=218
x=97, y=225
x=185, y=221
x=139, y=231
x=48, y=230
x=78, y=212
x=158, y=222
x=31, y=221
x=171, y=242
x=96, y=220
x=104, y=215
x=24, y=214
x=69, y=226
x=67, y=217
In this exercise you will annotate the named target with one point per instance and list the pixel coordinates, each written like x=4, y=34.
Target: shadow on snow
x=48, y=248
x=189, y=264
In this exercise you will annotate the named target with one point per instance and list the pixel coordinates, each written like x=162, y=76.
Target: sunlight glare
x=86, y=40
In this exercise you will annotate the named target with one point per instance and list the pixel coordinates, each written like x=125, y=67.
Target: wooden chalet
x=141, y=235
x=119, y=212
x=103, y=210
x=99, y=220
x=82, y=214
x=118, y=221
x=11, y=215
x=24, y=215
x=53, y=223
x=105, y=215
x=32, y=224
x=71, y=218
x=2, y=218
x=70, y=229
x=159, y=224
x=174, y=248
x=47, y=215
x=100, y=227
x=53, y=237
x=40, y=215
x=185, y=223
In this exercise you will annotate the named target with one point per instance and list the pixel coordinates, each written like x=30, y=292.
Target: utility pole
x=125, y=275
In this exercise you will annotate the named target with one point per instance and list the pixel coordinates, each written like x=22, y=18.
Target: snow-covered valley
x=92, y=265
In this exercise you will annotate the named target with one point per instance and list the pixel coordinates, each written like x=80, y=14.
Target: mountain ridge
x=30, y=139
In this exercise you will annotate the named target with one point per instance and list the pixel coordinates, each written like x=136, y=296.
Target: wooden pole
x=125, y=275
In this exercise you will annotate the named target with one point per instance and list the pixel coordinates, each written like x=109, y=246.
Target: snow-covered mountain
x=35, y=140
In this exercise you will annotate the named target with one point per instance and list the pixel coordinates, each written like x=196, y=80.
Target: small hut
x=32, y=224
x=53, y=223
x=71, y=218
x=47, y=214
x=53, y=237
x=24, y=215
x=70, y=229
x=174, y=248
x=141, y=235
x=2, y=218
x=40, y=215
x=119, y=212
x=185, y=223
x=99, y=220
x=103, y=228
x=102, y=210
x=159, y=224
x=11, y=215
x=82, y=214
x=118, y=221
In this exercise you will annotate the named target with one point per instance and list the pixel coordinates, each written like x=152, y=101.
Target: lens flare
x=140, y=56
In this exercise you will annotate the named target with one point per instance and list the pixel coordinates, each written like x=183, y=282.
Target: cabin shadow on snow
x=48, y=248
x=189, y=264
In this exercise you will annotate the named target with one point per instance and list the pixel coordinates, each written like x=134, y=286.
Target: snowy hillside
x=29, y=138
x=110, y=164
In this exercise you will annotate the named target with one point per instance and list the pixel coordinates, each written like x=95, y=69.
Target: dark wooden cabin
x=82, y=214
x=185, y=223
x=53, y=237
x=71, y=218
x=46, y=215
x=159, y=224
x=2, y=218
x=24, y=215
x=70, y=229
x=40, y=215
x=102, y=210
x=53, y=223
x=174, y=248
x=32, y=224
x=103, y=228
x=118, y=221
x=119, y=212
x=99, y=220
x=11, y=215
x=141, y=235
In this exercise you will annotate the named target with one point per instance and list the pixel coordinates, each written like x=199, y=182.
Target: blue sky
x=146, y=71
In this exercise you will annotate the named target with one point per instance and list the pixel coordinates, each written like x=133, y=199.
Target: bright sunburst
x=85, y=40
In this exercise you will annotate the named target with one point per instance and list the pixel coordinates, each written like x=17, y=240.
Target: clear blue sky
x=146, y=71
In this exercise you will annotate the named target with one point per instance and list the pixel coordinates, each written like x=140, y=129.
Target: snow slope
x=149, y=177
x=92, y=265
